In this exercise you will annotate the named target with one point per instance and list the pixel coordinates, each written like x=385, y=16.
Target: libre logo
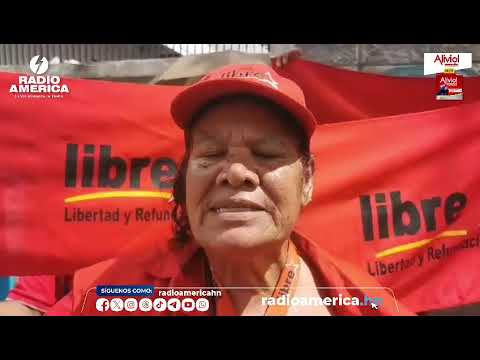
x=37, y=67
x=102, y=305
x=407, y=218
x=98, y=168
x=248, y=74
x=266, y=78
x=285, y=287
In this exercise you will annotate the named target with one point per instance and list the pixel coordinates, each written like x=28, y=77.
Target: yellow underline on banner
x=118, y=195
x=419, y=244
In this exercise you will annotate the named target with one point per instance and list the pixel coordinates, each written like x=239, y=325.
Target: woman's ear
x=308, y=182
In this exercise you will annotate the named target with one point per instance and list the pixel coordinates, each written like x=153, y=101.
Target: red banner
x=400, y=195
x=336, y=95
x=83, y=174
x=88, y=173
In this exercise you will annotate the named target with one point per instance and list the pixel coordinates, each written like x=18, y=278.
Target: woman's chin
x=238, y=238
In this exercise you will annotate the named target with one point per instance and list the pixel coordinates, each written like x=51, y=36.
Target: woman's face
x=245, y=183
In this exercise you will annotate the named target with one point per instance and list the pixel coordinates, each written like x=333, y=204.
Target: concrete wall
x=388, y=59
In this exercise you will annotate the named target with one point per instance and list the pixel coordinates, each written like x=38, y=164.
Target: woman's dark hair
x=181, y=227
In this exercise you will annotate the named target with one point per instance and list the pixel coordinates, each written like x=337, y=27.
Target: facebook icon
x=102, y=304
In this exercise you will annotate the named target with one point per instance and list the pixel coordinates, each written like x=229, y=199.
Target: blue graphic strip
x=125, y=290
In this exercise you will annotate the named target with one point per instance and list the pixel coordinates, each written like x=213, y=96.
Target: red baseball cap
x=256, y=79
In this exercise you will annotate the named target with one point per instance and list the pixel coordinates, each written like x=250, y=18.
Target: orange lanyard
x=287, y=282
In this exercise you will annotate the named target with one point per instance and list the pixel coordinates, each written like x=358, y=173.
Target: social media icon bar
x=146, y=305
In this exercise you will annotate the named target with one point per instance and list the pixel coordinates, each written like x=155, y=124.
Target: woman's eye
x=266, y=154
x=212, y=155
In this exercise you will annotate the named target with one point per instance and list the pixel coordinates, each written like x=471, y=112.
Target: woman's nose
x=238, y=175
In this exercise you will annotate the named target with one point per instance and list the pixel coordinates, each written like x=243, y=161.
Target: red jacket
x=48, y=294
x=185, y=267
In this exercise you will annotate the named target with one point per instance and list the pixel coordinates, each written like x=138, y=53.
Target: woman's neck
x=256, y=271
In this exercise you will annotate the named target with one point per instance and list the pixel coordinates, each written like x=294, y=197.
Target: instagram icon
x=130, y=305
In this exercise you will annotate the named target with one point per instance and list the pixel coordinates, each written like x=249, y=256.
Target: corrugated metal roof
x=197, y=49
x=20, y=54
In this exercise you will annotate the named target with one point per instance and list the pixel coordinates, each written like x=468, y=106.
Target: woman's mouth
x=234, y=210
x=235, y=205
x=238, y=216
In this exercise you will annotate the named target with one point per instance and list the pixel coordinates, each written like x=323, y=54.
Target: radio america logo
x=39, y=85
x=37, y=67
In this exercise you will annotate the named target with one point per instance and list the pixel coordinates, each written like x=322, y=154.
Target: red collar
x=185, y=266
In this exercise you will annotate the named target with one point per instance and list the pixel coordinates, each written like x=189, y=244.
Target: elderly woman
x=240, y=189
